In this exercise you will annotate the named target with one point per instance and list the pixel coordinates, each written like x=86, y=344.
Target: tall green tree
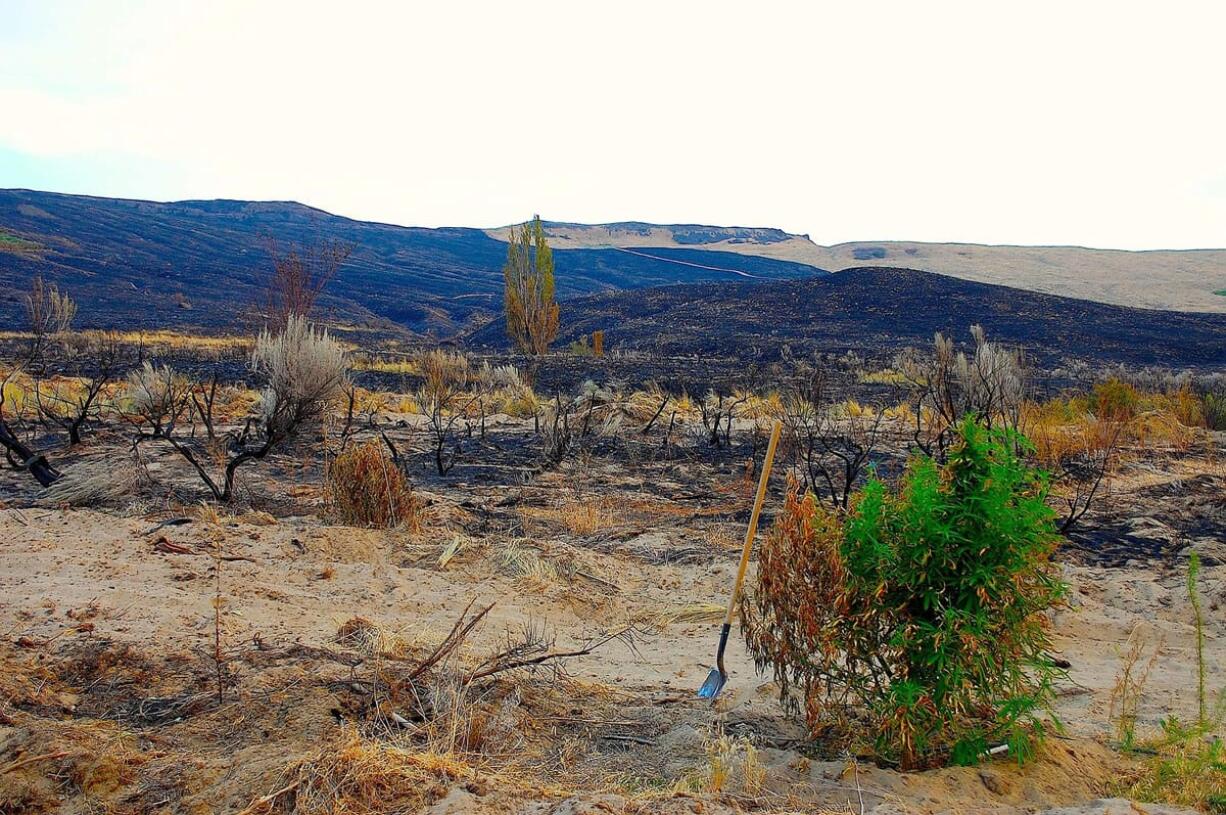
x=531, y=304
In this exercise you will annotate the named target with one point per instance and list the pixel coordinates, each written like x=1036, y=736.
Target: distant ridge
x=1177, y=279
x=202, y=263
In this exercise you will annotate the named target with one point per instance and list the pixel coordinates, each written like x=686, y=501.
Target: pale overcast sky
x=1100, y=124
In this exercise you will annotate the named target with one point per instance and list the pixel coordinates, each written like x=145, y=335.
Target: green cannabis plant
x=921, y=615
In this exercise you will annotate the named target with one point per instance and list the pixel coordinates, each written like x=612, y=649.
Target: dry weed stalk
x=1130, y=686
x=219, y=663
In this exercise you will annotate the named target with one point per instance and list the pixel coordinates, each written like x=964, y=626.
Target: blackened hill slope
x=199, y=263
x=874, y=309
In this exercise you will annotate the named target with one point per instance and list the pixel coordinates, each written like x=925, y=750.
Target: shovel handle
x=753, y=522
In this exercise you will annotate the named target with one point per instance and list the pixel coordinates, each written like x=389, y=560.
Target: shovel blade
x=714, y=684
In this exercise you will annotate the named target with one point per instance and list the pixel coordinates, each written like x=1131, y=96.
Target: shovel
x=718, y=676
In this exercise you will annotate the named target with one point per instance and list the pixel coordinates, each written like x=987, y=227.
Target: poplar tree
x=531, y=306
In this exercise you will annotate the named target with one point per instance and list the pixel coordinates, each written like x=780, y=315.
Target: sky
x=1086, y=123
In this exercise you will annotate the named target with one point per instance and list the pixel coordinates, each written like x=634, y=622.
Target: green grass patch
x=17, y=244
x=1221, y=292
x=883, y=377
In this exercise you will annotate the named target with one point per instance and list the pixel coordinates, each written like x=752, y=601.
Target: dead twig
x=166, y=523
x=503, y=662
x=634, y=739
x=17, y=765
x=265, y=800
x=459, y=632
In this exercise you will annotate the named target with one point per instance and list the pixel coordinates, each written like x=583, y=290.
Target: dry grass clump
x=642, y=405
x=524, y=562
x=1114, y=413
x=1060, y=434
x=1187, y=772
x=369, y=402
x=350, y=775
x=161, y=340
x=369, y=638
x=688, y=613
x=57, y=760
x=732, y=768
x=94, y=482
x=585, y=517
x=459, y=721
x=17, y=389
x=578, y=517
x=444, y=370
x=519, y=401
x=758, y=406
x=1162, y=428
x=366, y=488
x=387, y=366
x=156, y=341
x=734, y=762
x=26, y=681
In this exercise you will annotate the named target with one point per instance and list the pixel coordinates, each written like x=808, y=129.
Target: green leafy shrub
x=1115, y=400
x=580, y=348
x=1213, y=409
x=921, y=616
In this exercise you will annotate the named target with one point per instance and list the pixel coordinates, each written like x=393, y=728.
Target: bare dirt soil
x=112, y=627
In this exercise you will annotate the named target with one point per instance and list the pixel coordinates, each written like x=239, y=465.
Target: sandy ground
x=60, y=567
x=109, y=621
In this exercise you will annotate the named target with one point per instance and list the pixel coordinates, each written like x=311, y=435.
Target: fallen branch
x=265, y=800
x=459, y=632
x=500, y=664
x=620, y=737
x=17, y=765
x=170, y=522
x=164, y=544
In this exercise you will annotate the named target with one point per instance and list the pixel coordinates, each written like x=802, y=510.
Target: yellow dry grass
x=90, y=757
x=578, y=516
x=387, y=366
x=687, y=613
x=526, y=563
x=369, y=638
x=350, y=775
x=165, y=339
x=366, y=488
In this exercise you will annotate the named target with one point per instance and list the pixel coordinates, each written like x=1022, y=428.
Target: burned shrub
x=305, y=371
x=442, y=400
x=49, y=314
x=77, y=408
x=991, y=385
x=830, y=443
x=921, y=614
x=717, y=410
x=300, y=273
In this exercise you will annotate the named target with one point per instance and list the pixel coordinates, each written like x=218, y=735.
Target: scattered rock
x=996, y=783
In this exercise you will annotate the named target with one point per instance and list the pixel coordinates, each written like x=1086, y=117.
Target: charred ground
x=873, y=309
